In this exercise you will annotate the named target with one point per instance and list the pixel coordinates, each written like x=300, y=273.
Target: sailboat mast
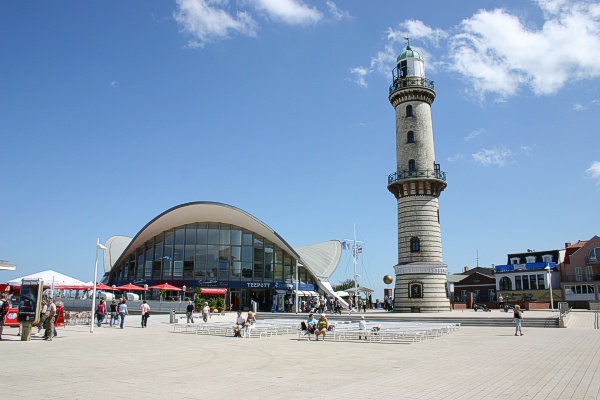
x=355, y=247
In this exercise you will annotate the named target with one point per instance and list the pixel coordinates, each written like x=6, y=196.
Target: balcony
x=410, y=82
x=419, y=174
x=523, y=267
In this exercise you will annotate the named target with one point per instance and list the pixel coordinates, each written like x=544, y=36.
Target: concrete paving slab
x=473, y=363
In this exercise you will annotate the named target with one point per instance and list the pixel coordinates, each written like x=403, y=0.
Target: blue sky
x=113, y=112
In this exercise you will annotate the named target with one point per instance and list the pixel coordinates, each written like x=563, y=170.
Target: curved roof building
x=215, y=245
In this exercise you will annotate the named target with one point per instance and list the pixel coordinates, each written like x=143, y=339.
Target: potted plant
x=220, y=304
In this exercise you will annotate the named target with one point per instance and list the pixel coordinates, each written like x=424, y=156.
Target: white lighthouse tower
x=416, y=184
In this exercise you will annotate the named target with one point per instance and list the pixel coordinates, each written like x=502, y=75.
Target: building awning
x=220, y=291
x=306, y=293
x=279, y=291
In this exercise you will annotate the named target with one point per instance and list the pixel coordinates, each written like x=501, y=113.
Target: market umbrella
x=102, y=286
x=165, y=286
x=129, y=287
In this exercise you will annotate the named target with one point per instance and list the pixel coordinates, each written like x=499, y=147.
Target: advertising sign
x=31, y=299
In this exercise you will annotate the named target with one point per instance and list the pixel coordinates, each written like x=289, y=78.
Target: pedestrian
x=50, y=314
x=362, y=326
x=518, y=317
x=4, y=306
x=501, y=301
x=100, y=311
x=249, y=324
x=114, y=313
x=123, y=311
x=205, y=312
x=145, y=311
x=42, y=323
x=189, y=312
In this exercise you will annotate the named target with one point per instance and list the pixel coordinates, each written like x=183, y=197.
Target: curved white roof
x=320, y=259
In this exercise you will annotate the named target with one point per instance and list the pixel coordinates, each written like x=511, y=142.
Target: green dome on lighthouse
x=409, y=53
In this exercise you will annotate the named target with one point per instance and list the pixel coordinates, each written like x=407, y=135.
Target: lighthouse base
x=421, y=288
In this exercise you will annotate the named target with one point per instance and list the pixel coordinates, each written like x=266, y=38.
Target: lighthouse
x=416, y=184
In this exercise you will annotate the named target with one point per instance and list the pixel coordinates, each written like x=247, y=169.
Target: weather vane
x=407, y=41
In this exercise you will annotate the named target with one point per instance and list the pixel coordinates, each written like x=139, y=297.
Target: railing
x=531, y=266
x=581, y=278
x=427, y=173
x=411, y=81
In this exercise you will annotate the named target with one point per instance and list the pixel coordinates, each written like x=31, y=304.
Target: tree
x=347, y=284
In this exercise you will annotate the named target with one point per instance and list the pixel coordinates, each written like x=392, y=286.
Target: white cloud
x=113, y=83
x=474, y=134
x=293, y=12
x=494, y=156
x=594, y=171
x=579, y=107
x=208, y=20
x=455, y=158
x=526, y=149
x=336, y=13
x=359, y=75
x=498, y=53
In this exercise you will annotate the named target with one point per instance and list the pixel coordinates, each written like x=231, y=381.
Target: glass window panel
x=518, y=284
x=224, y=253
x=178, y=252
x=180, y=235
x=247, y=253
x=223, y=269
x=236, y=270
x=541, y=281
x=258, y=254
x=201, y=235
x=236, y=237
x=212, y=253
x=213, y=236
x=578, y=289
x=190, y=252
x=212, y=269
x=167, y=270
x=158, y=247
x=278, y=272
x=236, y=253
x=178, y=269
x=258, y=271
x=525, y=282
x=190, y=234
x=247, y=270
x=156, y=269
x=278, y=256
x=247, y=239
x=200, y=265
x=568, y=289
x=533, y=282
x=148, y=269
x=188, y=270
x=149, y=257
x=224, y=236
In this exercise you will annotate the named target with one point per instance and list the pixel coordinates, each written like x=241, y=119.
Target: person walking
x=100, y=311
x=4, y=306
x=145, y=311
x=205, y=312
x=123, y=311
x=518, y=317
x=50, y=314
x=189, y=312
x=114, y=313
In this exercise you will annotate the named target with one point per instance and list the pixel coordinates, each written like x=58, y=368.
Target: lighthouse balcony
x=399, y=176
x=410, y=82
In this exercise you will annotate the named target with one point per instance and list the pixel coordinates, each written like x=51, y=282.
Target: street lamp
x=98, y=247
x=549, y=278
x=183, y=294
x=146, y=291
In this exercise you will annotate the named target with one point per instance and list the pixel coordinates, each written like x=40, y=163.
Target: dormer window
x=410, y=137
x=514, y=260
x=409, y=111
x=530, y=259
x=547, y=258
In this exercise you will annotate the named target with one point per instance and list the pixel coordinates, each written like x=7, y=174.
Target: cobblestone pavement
x=473, y=363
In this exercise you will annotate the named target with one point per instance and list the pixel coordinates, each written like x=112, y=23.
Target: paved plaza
x=472, y=363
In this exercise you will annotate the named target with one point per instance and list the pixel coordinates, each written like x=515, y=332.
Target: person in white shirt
x=145, y=311
x=205, y=311
x=362, y=326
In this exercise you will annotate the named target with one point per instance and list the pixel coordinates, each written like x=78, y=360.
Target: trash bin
x=172, y=317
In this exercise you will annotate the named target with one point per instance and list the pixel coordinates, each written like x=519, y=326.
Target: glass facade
x=210, y=254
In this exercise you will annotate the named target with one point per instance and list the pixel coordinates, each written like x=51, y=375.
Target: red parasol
x=165, y=286
x=102, y=286
x=129, y=287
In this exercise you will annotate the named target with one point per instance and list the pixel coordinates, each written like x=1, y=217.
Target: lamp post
x=146, y=291
x=98, y=247
x=549, y=278
x=183, y=293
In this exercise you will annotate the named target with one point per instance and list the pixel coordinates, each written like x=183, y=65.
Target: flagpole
x=355, y=273
x=98, y=247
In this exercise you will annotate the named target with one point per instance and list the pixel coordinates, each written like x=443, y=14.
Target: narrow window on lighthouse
x=410, y=137
x=415, y=245
x=412, y=166
x=409, y=112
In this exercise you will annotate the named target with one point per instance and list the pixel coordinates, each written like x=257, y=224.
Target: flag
x=359, y=249
x=345, y=245
x=102, y=247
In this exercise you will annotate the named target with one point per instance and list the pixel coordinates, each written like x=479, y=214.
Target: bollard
x=172, y=317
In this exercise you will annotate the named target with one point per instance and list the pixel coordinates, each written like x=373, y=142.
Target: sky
x=113, y=112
